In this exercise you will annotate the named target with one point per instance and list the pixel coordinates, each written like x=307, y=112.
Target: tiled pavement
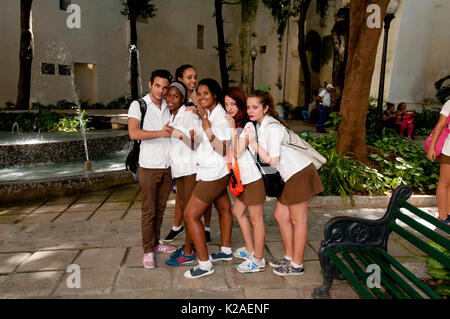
x=100, y=232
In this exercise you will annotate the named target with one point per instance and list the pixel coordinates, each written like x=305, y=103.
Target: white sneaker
x=250, y=265
x=242, y=253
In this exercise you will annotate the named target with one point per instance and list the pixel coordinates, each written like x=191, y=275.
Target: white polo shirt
x=446, y=111
x=271, y=133
x=326, y=98
x=154, y=153
x=211, y=165
x=247, y=166
x=183, y=159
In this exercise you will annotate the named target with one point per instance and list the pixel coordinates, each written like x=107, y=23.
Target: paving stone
x=10, y=219
x=107, y=215
x=39, y=218
x=24, y=208
x=48, y=260
x=92, y=198
x=35, y=284
x=261, y=293
x=9, y=262
x=133, y=214
x=73, y=217
x=108, y=206
x=122, y=197
x=62, y=200
x=216, y=281
x=339, y=290
x=136, y=205
x=54, y=208
x=82, y=207
x=215, y=294
x=9, y=212
x=144, y=279
x=100, y=258
x=151, y=294
x=416, y=265
x=92, y=281
x=136, y=254
x=265, y=279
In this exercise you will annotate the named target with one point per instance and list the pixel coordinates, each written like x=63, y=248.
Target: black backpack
x=132, y=161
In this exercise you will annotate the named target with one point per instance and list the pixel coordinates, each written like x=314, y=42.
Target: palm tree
x=25, y=55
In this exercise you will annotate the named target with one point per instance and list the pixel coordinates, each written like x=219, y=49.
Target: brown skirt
x=208, y=191
x=254, y=193
x=443, y=159
x=301, y=186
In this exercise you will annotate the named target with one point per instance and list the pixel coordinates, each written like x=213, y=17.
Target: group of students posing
x=193, y=133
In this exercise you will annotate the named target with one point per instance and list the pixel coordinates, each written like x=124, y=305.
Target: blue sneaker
x=220, y=256
x=177, y=252
x=181, y=259
x=196, y=272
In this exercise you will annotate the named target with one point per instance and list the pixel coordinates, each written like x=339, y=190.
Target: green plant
x=438, y=271
x=333, y=122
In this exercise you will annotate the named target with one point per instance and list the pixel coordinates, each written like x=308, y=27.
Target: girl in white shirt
x=254, y=194
x=299, y=174
x=212, y=179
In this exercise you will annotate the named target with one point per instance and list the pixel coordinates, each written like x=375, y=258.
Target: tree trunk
x=25, y=55
x=302, y=51
x=362, y=50
x=340, y=34
x=221, y=44
x=133, y=42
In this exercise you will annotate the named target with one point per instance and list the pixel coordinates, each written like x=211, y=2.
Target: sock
x=175, y=228
x=205, y=265
x=288, y=258
x=208, y=229
x=295, y=265
x=226, y=250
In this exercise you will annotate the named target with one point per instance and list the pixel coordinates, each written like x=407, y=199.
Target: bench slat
x=399, y=280
x=363, y=275
x=429, y=250
x=432, y=220
x=385, y=279
x=444, y=242
x=419, y=283
x=348, y=274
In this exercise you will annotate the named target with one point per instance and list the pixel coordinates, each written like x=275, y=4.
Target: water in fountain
x=16, y=126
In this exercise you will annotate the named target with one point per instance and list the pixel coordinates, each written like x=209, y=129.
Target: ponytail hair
x=267, y=100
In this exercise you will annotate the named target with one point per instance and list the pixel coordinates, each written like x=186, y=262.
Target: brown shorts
x=254, y=193
x=301, y=186
x=208, y=191
x=185, y=186
x=444, y=159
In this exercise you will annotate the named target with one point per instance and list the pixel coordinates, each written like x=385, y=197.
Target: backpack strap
x=143, y=107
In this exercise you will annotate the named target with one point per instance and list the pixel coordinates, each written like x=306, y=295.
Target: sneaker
x=279, y=262
x=149, y=261
x=289, y=270
x=196, y=272
x=162, y=248
x=445, y=220
x=208, y=236
x=250, y=265
x=172, y=234
x=220, y=256
x=242, y=253
x=181, y=259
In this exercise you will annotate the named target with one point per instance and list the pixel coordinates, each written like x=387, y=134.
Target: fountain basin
x=30, y=148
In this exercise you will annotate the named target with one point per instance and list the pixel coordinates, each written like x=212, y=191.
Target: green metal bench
x=352, y=244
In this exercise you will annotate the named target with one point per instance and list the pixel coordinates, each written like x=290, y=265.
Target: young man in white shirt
x=154, y=172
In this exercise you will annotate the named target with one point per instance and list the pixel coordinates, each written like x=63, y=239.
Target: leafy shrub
x=121, y=102
x=438, y=271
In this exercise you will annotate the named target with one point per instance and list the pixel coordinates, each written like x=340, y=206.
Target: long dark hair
x=180, y=70
x=267, y=100
x=238, y=96
x=214, y=88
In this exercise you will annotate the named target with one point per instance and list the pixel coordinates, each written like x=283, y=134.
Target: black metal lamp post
x=253, y=54
x=390, y=15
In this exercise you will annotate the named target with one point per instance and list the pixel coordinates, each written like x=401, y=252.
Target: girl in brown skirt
x=299, y=174
x=212, y=179
x=254, y=194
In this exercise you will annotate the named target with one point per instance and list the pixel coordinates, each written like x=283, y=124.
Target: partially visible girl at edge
x=443, y=188
x=299, y=174
x=254, y=194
